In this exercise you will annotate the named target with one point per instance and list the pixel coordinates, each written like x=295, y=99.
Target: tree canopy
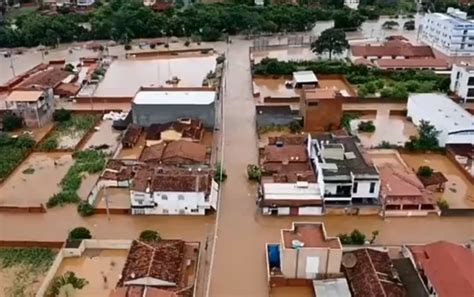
x=331, y=41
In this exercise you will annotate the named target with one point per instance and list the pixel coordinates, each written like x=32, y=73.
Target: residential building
x=182, y=129
x=451, y=33
x=173, y=191
x=304, y=79
x=159, y=268
x=462, y=81
x=455, y=124
x=446, y=268
x=403, y=194
x=305, y=253
x=370, y=272
x=176, y=153
x=35, y=106
x=288, y=183
x=321, y=109
x=394, y=49
x=163, y=105
x=132, y=135
x=346, y=179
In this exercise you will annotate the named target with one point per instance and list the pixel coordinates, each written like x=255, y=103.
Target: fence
x=457, y=212
x=23, y=209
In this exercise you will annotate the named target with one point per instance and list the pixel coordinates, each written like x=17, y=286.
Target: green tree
x=375, y=234
x=442, y=204
x=69, y=278
x=427, y=139
x=149, y=235
x=254, y=172
x=331, y=41
x=410, y=25
x=388, y=25
x=11, y=121
x=80, y=233
x=347, y=19
x=62, y=115
x=85, y=209
x=426, y=171
x=220, y=174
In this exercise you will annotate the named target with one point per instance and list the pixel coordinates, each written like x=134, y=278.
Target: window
x=354, y=187
x=164, y=197
x=470, y=81
x=181, y=211
x=180, y=197
x=194, y=210
x=372, y=188
x=165, y=211
x=470, y=92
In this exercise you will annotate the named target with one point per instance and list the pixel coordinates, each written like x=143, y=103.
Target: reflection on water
x=270, y=87
x=286, y=54
x=35, y=180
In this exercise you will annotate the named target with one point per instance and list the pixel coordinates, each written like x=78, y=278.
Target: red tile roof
x=49, y=78
x=297, y=153
x=392, y=49
x=175, y=152
x=132, y=135
x=412, y=63
x=372, y=275
x=193, y=129
x=448, y=266
x=400, y=186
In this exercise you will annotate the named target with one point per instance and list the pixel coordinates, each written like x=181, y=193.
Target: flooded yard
x=458, y=192
x=125, y=77
x=285, y=54
x=35, y=180
x=382, y=156
x=118, y=198
x=68, y=134
x=101, y=269
x=389, y=128
x=104, y=135
x=135, y=152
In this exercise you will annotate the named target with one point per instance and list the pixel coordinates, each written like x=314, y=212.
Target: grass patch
x=75, y=127
x=86, y=162
x=13, y=151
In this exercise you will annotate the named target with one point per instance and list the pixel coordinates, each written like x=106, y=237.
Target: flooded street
x=35, y=180
x=104, y=135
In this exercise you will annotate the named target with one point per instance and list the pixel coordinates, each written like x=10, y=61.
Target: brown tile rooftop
x=412, y=63
x=401, y=186
x=49, y=78
x=285, y=153
x=393, y=49
x=372, y=275
x=311, y=234
x=189, y=128
x=175, y=152
x=118, y=170
x=287, y=139
x=448, y=266
x=132, y=135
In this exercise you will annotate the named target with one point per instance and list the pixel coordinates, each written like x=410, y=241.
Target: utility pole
x=11, y=65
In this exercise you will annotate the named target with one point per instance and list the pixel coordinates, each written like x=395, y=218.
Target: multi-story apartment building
x=346, y=179
x=450, y=33
x=462, y=81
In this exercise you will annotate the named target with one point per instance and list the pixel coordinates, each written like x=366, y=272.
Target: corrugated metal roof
x=331, y=288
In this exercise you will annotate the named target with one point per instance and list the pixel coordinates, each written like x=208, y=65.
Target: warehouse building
x=163, y=105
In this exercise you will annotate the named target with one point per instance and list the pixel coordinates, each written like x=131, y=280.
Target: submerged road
x=238, y=268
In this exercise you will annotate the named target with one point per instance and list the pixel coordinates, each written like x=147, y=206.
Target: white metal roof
x=174, y=97
x=440, y=108
x=290, y=191
x=304, y=76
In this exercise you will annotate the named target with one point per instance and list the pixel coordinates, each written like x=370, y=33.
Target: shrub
x=25, y=141
x=426, y=171
x=80, y=233
x=254, y=172
x=50, y=144
x=85, y=209
x=220, y=59
x=220, y=175
x=69, y=67
x=149, y=235
x=127, y=47
x=443, y=204
x=61, y=198
x=346, y=120
x=366, y=126
x=187, y=43
x=152, y=45
x=166, y=45
x=427, y=139
x=11, y=121
x=296, y=126
x=62, y=115
x=386, y=145
x=69, y=278
x=356, y=237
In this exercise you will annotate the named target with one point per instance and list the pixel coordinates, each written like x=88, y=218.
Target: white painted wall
x=363, y=189
x=459, y=81
x=310, y=211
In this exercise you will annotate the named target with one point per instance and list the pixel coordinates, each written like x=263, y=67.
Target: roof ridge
x=373, y=267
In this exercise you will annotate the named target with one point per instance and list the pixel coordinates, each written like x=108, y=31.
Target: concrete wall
x=329, y=261
x=146, y=115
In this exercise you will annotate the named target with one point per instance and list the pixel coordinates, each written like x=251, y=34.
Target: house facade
x=173, y=192
x=462, y=81
x=36, y=107
x=451, y=33
x=346, y=179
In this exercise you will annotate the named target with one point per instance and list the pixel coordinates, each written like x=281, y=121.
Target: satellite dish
x=349, y=260
x=296, y=244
